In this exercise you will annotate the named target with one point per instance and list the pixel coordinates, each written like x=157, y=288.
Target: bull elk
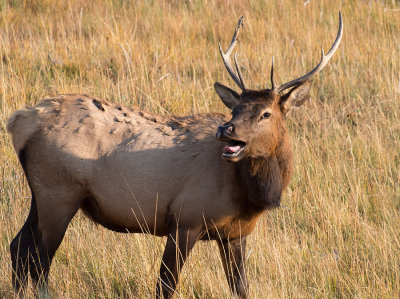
x=135, y=172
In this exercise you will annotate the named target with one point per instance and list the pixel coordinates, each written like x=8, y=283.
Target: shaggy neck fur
x=265, y=178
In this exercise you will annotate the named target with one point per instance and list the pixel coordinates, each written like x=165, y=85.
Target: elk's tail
x=22, y=125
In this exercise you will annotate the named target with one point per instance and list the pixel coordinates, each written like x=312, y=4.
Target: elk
x=137, y=172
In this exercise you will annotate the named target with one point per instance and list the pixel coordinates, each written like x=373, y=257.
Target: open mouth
x=233, y=149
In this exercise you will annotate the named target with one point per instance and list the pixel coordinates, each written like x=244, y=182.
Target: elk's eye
x=266, y=115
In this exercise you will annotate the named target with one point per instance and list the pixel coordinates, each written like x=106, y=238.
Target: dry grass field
x=337, y=234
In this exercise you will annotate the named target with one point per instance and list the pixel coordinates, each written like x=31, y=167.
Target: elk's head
x=258, y=117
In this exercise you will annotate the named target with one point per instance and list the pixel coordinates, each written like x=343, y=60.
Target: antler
x=272, y=74
x=225, y=57
x=323, y=62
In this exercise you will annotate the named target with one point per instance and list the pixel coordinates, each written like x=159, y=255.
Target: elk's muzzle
x=234, y=150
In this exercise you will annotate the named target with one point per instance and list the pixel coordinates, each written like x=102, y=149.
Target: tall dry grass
x=337, y=234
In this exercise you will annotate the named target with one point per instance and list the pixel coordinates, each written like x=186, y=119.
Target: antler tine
x=272, y=74
x=323, y=62
x=225, y=57
x=239, y=72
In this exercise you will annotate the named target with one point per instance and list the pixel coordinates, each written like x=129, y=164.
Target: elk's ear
x=228, y=96
x=296, y=96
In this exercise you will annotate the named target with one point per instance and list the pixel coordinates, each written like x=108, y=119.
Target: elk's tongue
x=232, y=149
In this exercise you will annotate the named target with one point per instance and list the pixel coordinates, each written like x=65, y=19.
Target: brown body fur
x=119, y=162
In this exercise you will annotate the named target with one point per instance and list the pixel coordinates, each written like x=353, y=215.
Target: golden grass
x=337, y=234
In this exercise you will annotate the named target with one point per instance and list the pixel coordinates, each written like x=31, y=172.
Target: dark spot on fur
x=82, y=120
x=125, y=114
x=98, y=104
x=117, y=119
x=174, y=125
x=119, y=108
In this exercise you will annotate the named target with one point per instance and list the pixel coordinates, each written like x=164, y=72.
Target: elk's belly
x=130, y=198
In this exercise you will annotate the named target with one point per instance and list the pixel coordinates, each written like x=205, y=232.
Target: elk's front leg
x=233, y=259
x=179, y=244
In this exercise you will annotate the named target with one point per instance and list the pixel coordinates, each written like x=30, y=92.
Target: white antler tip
x=220, y=49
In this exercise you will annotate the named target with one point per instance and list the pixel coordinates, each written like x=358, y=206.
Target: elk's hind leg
x=55, y=200
x=233, y=259
x=35, y=245
x=22, y=247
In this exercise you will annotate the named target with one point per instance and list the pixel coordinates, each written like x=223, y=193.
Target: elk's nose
x=228, y=127
x=225, y=130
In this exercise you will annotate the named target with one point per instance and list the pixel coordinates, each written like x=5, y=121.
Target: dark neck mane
x=264, y=179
